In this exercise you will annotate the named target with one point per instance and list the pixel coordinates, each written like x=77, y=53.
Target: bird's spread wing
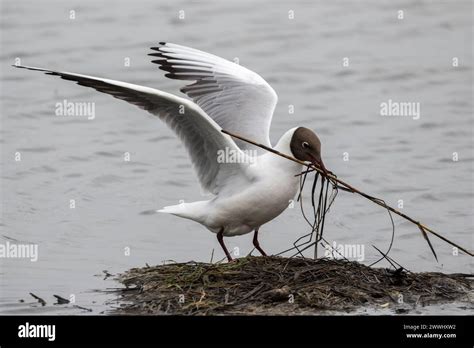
x=201, y=135
x=238, y=99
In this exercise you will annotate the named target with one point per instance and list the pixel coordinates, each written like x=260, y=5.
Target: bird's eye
x=305, y=145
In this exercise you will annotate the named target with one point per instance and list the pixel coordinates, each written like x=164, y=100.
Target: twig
x=423, y=232
x=333, y=178
x=40, y=300
x=212, y=256
x=389, y=259
x=61, y=300
x=391, y=240
x=82, y=308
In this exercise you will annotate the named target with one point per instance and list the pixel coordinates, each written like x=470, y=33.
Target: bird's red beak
x=320, y=164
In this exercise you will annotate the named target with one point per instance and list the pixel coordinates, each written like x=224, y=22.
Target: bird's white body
x=246, y=203
x=224, y=95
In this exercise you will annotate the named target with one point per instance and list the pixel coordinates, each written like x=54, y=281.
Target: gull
x=249, y=186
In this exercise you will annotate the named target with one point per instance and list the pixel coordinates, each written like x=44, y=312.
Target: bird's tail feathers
x=195, y=210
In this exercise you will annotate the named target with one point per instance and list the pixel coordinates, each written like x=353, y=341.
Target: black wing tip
x=158, y=55
x=46, y=71
x=21, y=66
x=157, y=48
x=158, y=61
x=167, y=68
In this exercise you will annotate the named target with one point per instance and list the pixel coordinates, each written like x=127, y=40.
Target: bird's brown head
x=306, y=146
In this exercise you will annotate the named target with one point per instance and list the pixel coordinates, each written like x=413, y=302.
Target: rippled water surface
x=64, y=158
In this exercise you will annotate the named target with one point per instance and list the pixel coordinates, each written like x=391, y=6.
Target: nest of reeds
x=276, y=285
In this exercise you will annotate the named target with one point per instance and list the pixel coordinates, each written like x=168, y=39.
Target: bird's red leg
x=220, y=238
x=257, y=244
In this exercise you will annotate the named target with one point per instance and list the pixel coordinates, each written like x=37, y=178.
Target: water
x=64, y=158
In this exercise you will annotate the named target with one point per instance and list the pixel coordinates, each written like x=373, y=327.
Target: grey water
x=67, y=188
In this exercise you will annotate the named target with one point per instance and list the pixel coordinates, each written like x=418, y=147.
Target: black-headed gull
x=250, y=187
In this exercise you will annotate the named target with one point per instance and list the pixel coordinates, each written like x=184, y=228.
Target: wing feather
x=238, y=99
x=200, y=134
